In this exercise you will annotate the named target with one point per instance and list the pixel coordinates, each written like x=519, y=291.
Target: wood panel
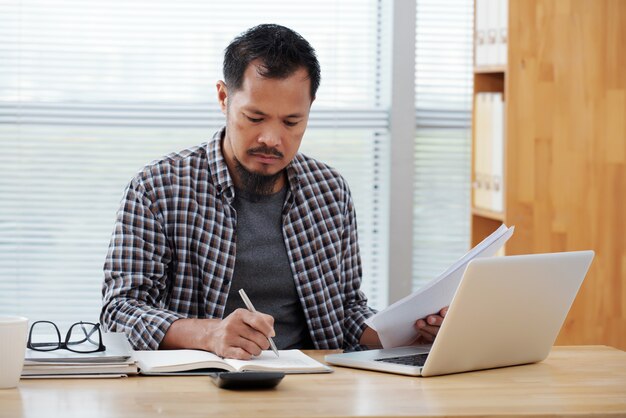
x=566, y=157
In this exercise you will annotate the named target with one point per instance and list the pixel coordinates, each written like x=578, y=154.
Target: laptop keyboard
x=410, y=360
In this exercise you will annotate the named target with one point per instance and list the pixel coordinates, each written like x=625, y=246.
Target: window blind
x=92, y=91
x=443, y=98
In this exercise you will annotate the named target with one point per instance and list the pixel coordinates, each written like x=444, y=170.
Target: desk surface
x=571, y=381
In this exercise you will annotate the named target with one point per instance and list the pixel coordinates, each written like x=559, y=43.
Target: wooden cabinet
x=565, y=154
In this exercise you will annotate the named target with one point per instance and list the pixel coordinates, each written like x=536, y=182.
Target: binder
x=492, y=32
x=503, y=29
x=478, y=187
x=497, y=163
x=488, y=186
x=482, y=166
x=480, y=43
x=488, y=151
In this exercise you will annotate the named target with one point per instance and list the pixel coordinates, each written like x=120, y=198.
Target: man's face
x=265, y=122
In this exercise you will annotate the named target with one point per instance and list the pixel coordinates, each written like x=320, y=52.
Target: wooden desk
x=573, y=381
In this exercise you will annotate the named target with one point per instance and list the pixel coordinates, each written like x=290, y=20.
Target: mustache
x=266, y=151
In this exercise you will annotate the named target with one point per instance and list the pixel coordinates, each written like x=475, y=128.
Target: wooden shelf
x=489, y=82
x=487, y=79
x=490, y=70
x=489, y=214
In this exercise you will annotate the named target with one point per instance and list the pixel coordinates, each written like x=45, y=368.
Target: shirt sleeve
x=135, y=272
x=355, y=302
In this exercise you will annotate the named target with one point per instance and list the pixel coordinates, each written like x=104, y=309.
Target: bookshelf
x=489, y=76
x=564, y=89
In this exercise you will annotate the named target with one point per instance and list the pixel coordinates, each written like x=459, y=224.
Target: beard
x=256, y=184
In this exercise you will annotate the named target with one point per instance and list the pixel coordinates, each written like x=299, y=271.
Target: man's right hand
x=240, y=335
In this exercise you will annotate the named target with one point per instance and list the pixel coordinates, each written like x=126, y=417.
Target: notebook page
x=290, y=361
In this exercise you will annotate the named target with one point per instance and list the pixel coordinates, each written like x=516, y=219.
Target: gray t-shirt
x=262, y=268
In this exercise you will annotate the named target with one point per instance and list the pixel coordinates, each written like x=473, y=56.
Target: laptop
x=507, y=311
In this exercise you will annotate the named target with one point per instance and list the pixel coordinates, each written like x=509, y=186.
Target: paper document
x=395, y=325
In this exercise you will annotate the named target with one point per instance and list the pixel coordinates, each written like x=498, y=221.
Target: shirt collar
x=221, y=176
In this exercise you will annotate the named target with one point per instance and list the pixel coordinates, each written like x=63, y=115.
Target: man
x=244, y=210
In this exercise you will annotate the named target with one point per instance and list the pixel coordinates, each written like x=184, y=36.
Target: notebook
x=164, y=362
x=507, y=311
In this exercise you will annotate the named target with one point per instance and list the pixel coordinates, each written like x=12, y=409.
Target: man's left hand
x=427, y=328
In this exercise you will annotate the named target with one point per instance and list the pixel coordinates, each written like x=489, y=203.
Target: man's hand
x=240, y=335
x=427, y=328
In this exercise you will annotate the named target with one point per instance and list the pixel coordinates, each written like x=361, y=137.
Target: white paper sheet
x=395, y=324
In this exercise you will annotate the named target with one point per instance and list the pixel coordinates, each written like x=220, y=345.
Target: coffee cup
x=13, y=330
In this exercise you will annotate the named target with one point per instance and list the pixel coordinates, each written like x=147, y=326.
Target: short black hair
x=281, y=50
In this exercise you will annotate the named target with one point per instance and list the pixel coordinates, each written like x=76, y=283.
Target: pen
x=250, y=307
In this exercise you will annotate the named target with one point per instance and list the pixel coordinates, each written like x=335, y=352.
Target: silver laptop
x=506, y=311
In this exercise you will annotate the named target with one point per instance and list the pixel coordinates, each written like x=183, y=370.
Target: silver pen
x=250, y=307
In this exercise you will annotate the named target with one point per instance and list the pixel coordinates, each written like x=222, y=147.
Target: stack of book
x=115, y=361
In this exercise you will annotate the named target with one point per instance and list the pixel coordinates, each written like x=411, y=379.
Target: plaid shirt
x=172, y=252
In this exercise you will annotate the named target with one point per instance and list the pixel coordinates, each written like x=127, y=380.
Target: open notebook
x=197, y=361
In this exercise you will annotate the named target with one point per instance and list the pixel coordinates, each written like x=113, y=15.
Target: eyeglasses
x=82, y=337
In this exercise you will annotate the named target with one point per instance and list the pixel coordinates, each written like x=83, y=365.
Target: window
x=92, y=91
x=443, y=100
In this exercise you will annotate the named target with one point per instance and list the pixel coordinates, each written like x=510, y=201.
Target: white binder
x=497, y=155
x=503, y=29
x=480, y=41
x=492, y=32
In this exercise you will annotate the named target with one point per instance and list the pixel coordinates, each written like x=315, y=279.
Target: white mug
x=13, y=330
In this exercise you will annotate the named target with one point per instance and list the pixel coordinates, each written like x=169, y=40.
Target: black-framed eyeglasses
x=82, y=337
